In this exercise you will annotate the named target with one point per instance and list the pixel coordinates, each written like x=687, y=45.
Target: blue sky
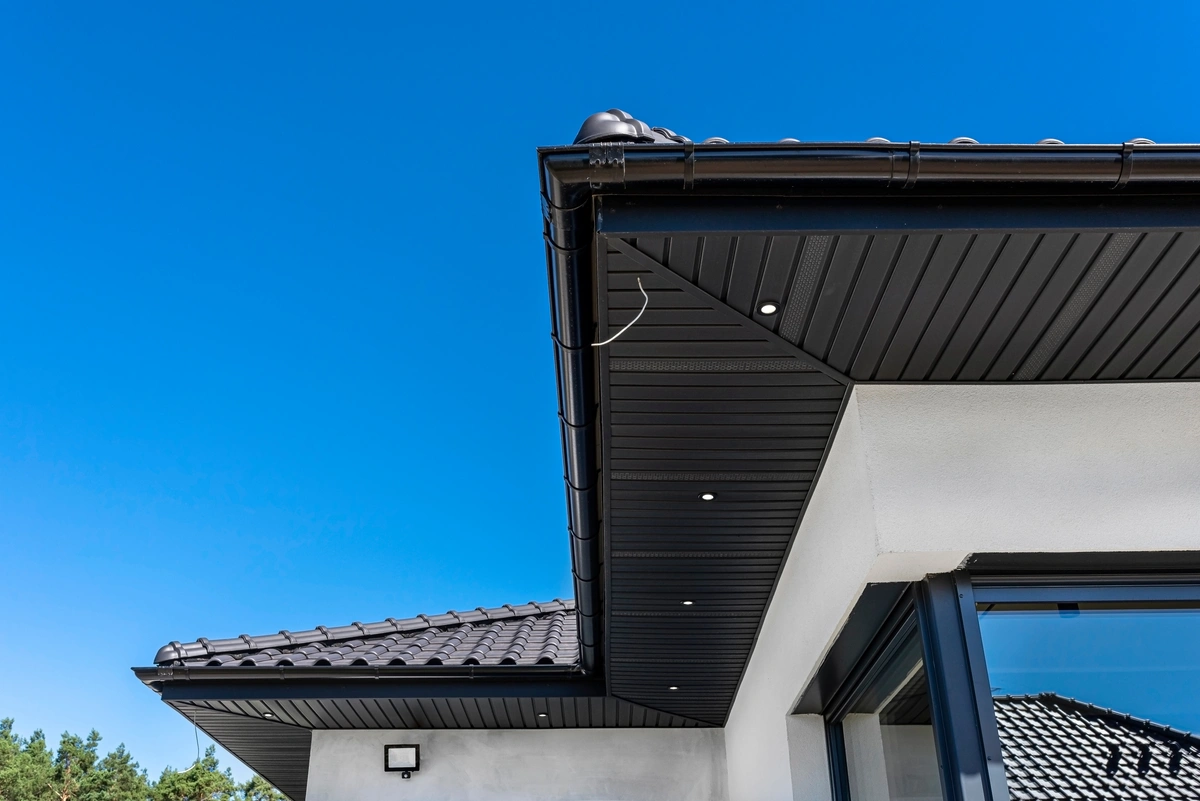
x=1140, y=662
x=273, y=322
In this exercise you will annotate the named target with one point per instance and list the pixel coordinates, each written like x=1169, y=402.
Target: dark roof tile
x=616, y=125
x=526, y=634
x=1059, y=748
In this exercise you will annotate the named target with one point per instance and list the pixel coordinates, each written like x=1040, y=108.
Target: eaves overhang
x=886, y=262
x=266, y=716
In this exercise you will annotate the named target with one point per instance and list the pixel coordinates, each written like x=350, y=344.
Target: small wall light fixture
x=268, y=714
x=402, y=758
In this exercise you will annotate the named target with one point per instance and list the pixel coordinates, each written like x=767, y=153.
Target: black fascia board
x=631, y=217
x=573, y=176
x=1043, y=568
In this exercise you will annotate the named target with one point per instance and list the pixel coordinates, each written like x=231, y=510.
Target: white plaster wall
x=917, y=478
x=825, y=571
x=1034, y=468
x=532, y=765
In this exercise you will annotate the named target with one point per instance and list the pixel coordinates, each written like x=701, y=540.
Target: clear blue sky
x=273, y=316
x=1140, y=662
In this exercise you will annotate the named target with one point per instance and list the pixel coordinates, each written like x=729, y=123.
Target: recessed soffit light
x=672, y=687
x=687, y=603
x=769, y=307
x=708, y=496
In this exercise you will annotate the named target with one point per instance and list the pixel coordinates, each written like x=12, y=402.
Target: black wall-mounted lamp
x=402, y=758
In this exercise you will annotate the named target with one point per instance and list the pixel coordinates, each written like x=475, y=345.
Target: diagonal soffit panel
x=707, y=394
x=714, y=429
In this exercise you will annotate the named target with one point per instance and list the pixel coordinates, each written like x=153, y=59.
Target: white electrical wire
x=196, y=732
x=631, y=322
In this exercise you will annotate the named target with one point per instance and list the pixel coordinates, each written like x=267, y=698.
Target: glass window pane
x=1096, y=699
x=890, y=751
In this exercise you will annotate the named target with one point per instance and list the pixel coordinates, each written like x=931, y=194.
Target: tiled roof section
x=528, y=634
x=1060, y=748
x=615, y=125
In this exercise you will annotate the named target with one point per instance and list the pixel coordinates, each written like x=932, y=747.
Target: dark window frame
x=944, y=607
x=933, y=610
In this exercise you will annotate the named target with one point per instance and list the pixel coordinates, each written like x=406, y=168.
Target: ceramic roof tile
x=1059, y=748
x=527, y=634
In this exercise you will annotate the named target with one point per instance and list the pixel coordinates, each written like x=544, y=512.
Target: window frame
x=932, y=609
x=944, y=607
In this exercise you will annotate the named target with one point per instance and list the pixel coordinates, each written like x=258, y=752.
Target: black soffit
x=278, y=747
x=705, y=394
x=265, y=716
x=1066, y=264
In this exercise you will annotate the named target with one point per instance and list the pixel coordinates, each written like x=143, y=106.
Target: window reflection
x=890, y=751
x=1096, y=700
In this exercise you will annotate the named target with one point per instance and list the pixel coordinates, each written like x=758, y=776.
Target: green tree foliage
x=30, y=771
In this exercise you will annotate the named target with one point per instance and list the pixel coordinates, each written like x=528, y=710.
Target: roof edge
x=158, y=675
x=571, y=174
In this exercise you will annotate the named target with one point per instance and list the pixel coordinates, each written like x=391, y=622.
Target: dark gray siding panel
x=748, y=426
x=989, y=305
x=276, y=751
x=293, y=718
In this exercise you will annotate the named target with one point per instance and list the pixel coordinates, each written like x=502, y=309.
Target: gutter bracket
x=1126, y=165
x=607, y=160
x=689, y=165
x=914, y=164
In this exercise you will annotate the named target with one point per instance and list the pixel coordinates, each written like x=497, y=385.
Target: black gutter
x=150, y=675
x=571, y=176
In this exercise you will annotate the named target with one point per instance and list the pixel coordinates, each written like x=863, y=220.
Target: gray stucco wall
x=919, y=477
x=566, y=764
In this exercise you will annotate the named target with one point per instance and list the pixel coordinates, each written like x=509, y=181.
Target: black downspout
x=568, y=235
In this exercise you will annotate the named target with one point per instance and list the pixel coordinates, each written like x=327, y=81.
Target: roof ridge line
x=1110, y=715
